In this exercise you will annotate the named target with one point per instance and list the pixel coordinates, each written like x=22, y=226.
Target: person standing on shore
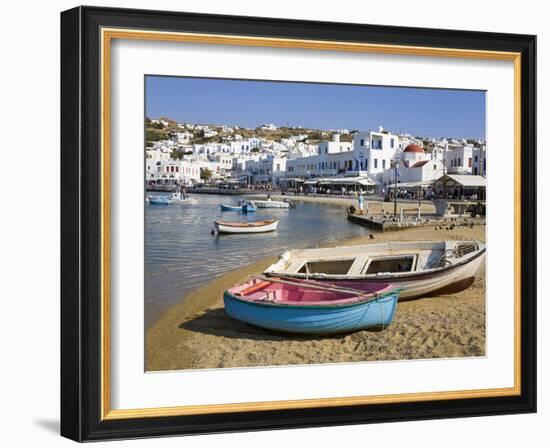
x=361, y=202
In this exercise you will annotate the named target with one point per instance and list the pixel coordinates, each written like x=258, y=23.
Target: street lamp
x=395, y=166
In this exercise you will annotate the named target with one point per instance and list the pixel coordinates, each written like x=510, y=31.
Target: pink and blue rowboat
x=308, y=307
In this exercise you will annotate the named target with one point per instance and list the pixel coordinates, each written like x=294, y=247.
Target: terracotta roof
x=413, y=148
x=420, y=163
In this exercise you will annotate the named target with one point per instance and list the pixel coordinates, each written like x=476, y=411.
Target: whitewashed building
x=267, y=170
x=414, y=166
x=480, y=161
x=171, y=171
x=460, y=159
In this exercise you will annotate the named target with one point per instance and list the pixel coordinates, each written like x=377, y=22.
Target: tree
x=206, y=173
x=176, y=154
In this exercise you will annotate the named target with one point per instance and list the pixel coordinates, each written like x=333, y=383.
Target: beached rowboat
x=421, y=268
x=310, y=308
x=246, y=227
x=270, y=204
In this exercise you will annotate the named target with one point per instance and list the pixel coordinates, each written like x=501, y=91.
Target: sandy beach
x=198, y=334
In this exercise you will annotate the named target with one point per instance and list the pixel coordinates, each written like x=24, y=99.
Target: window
x=375, y=163
x=459, y=161
x=469, y=162
x=383, y=164
x=475, y=159
x=435, y=167
x=362, y=142
x=392, y=142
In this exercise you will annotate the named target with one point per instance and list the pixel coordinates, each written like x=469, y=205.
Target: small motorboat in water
x=270, y=204
x=231, y=208
x=246, y=227
x=182, y=199
x=421, y=268
x=159, y=200
x=248, y=207
x=307, y=307
x=176, y=198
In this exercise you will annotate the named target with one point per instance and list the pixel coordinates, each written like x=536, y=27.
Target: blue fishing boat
x=159, y=200
x=248, y=207
x=230, y=208
x=309, y=307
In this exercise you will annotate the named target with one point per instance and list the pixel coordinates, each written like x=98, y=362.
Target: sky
x=417, y=111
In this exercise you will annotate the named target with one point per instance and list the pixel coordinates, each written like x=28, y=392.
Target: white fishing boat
x=421, y=268
x=270, y=204
x=179, y=198
x=246, y=227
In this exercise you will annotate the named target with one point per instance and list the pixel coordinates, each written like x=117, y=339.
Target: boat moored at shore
x=307, y=307
x=421, y=268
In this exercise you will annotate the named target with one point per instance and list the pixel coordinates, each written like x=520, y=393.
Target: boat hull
x=159, y=200
x=450, y=281
x=188, y=201
x=248, y=208
x=223, y=228
x=271, y=204
x=230, y=208
x=446, y=280
x=318, y=320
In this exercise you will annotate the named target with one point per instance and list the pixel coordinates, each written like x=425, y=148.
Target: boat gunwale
x=373, y=298
x=375, y=278
x=245, y=225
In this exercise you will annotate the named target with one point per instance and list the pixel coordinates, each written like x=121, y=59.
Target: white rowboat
x=421, y=268
x=246, y=227
x=270, y=204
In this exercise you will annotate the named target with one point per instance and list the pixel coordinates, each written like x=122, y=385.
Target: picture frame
x=86, y=37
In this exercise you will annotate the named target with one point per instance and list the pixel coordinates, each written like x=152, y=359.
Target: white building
x=224, y=163
x=268, y=171
x=183, y=138
x=459, y=159
x=480, y=163
x=171, y=171
x=268, y=127
x=374, y=151
x=414, y=165
x=370, y=153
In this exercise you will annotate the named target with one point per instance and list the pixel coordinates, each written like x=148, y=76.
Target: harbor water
x=181, y=254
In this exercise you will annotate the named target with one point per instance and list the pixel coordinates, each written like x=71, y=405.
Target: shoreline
x=376, y=206
x=197, y=334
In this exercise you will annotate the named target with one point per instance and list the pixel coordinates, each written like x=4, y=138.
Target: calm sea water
x=181, y=254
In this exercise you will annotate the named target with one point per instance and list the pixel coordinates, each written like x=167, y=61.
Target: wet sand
x=198, y=334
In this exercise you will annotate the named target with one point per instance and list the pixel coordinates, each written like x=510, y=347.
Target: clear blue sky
x=421, y=112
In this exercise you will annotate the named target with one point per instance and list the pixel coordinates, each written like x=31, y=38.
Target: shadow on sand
x=216, y=322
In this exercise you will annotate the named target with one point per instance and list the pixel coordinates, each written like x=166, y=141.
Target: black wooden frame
x=81, y=213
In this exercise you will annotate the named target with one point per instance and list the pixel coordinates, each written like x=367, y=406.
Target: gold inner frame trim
x=107, y=35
